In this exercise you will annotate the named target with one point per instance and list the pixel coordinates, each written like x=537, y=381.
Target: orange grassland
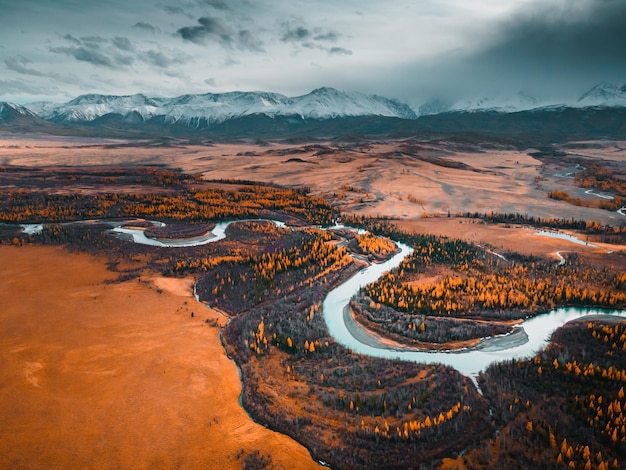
x=96, y=374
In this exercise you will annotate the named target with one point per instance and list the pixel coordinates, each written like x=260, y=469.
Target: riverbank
x=516, y=337
x=470, y=361
x=102, y=374
x=376, y=340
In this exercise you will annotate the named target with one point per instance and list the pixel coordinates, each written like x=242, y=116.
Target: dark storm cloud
x=217, y=4
x=209, y=29
x=83, y=54
x=247, y=41
x=339, y=51
x=145, y=26
x=579, y=34
x=213, y=29
x=123, y=44
x=295, y=33
x=161, y=59
x=300, y=36
x=119, y=53
x=20, y=66
x=552, y=51
x=330, y=36
x=72, y=39
x=102, y=52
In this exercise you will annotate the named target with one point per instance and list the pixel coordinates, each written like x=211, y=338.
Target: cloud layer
x=550, y=50
x=415, y=51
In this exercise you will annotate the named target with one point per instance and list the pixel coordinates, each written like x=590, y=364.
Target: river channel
x=527, y=338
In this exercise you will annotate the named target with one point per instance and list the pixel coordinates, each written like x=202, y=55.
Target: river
x=527, y=338
x=218, y=233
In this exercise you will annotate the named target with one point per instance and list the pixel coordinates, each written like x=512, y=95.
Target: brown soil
x=116, y=375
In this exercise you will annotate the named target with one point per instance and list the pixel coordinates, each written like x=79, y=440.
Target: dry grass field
x=524, y=240
x=117, y=375
x=399, y=178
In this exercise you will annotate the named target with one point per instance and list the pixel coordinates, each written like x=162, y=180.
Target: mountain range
x=606, y=95
x=324, y=112
x=213, y=108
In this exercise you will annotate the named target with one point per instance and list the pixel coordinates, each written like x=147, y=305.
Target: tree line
x=562, y=408
x=22, y=206
x=482, y=286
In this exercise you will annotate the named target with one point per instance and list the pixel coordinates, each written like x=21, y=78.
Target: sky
x=412, y=50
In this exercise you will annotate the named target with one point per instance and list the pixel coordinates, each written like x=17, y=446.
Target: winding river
x=218, y=233
x=526, y=339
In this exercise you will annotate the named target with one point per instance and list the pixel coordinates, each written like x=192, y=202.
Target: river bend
x=527, y=338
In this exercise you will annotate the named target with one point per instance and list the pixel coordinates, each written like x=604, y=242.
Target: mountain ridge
x=323, y=113
x=604, y=95
x=213, y=108
x=321, y=103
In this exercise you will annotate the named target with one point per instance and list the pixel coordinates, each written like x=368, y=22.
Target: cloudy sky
x=413, y=50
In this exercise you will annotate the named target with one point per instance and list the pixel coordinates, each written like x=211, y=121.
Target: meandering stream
x=527, y=338
x=218, y=233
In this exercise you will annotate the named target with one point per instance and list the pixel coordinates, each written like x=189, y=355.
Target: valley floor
x=404, y=178
x=102, y=373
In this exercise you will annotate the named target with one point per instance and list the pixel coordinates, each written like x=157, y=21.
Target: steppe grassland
x=368, y=179
x=117, y=375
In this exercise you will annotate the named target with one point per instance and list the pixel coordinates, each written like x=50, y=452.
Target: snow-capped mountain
x=504, y=104
x=43, y=108
x=605, y=95
x=93, y=106
x=325, y=103
x=11, y=111
x=212, y=108
x=208, y=109
x=14, y=117
x=518, y=102
x=323, y=113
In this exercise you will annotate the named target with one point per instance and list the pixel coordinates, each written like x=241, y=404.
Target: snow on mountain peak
x=325, y=103
x=322, y=103
x=520, y=101
x=92, y=106
x=604, y=94
x=11, y=109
